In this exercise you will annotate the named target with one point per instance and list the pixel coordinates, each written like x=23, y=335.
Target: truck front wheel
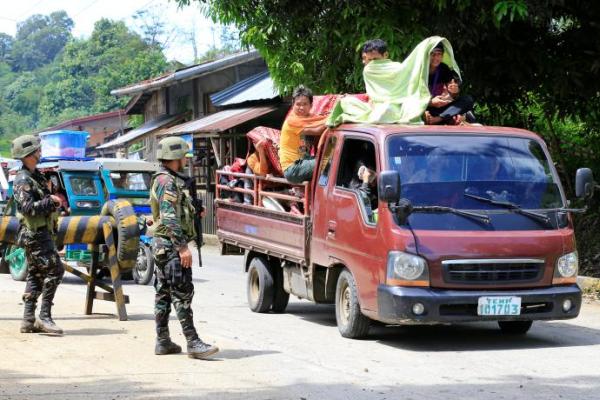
x=515, y=327
x=260, y=285
x=350, y=321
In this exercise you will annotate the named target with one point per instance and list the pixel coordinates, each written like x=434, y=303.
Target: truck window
x=83, y=186
x=440, y=170
x=357, y=153
x=325, y=165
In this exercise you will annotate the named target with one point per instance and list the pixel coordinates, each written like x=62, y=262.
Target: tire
x=281, y=298
x=350, y=320
x=515, y=327
x=259, y=285
x=17, y=262
x=127, y=232
x=144, y=267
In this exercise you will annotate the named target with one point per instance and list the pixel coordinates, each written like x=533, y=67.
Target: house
x=177, y=97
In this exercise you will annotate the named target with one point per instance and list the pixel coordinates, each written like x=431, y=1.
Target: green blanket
x=398, y=92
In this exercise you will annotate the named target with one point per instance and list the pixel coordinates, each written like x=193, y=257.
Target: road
x=298, y=355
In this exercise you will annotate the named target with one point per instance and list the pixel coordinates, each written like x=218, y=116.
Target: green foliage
x=6, y=43
x=78, y=81
x=39, y=39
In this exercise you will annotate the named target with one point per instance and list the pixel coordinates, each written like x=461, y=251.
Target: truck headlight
x=406, y=269
x=568, y=265
x=566, y=269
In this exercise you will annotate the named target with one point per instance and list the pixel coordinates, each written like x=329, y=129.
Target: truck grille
x=492, y=271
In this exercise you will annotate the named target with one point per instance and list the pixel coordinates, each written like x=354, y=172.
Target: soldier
x=37, y=212
x=173, y=213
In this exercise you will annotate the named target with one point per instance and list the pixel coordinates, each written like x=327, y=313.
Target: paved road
x=298, y=355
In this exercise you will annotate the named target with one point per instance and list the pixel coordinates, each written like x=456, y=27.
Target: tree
x=154, y=30
x=6, y=43
x=39, y=39
x=506, y=48
x=87, y=70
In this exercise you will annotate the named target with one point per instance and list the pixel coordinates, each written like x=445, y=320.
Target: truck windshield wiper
x=512, y=206
x=443, y=209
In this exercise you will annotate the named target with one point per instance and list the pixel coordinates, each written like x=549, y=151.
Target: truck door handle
x=331, y=225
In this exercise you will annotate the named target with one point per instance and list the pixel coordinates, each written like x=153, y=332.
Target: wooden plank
x=109, y=297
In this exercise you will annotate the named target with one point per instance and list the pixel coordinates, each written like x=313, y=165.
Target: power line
x=85, y=8
x=30, y=9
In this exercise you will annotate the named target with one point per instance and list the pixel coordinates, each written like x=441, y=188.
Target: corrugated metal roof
x=147, y=127
x=254, y=88
x=186, y=73
x=220, y=121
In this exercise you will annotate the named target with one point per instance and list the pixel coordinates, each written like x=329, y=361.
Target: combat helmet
x=24, y=145
x=172, y=148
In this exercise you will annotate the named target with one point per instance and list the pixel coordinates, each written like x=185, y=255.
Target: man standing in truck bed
x=173, y=212
x=37, y=210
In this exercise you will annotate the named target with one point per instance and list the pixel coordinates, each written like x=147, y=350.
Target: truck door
x=352, y=231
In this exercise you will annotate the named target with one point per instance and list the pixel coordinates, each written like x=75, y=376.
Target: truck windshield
x=459, y=170
x=131, y=180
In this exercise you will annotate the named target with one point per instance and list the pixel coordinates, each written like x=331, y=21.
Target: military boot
x=45, y=322
x=28, y=323
x=198, y=349
x=166, y=346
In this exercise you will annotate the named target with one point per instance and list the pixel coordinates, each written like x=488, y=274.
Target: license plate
x=497, y=305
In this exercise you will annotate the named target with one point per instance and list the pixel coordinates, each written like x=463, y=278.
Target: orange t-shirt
x=289, y=142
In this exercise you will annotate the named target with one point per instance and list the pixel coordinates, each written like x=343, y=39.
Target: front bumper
x=447, y=306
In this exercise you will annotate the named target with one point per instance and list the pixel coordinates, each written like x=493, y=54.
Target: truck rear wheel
x=280, y=296
x=350, y=320
x=515, y=327
x=260, y=285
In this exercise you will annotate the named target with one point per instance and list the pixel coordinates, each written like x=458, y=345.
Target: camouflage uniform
x=173, y=284
x=38, y=217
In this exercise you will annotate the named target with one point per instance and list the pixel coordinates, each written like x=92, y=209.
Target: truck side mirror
x=584, y=183
x=389, y=186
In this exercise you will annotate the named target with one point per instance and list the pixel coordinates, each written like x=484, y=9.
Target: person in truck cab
x=365, y=182
x=446, y=105
x=296, y=163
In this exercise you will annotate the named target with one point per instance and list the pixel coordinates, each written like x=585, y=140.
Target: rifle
x=198, y=206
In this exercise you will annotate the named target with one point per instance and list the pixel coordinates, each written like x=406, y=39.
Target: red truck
x=463, y=224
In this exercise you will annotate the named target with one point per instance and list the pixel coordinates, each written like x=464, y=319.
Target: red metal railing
x=258, y=192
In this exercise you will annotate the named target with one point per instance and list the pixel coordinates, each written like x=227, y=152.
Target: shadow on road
x=237, y=354
x=22, y=386
x=95, y=332
x=467, y=336
x=323, y=314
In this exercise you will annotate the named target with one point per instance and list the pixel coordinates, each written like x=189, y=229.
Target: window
x=131, y=180
x=358, y=153
x=444, y=170
x=83, y=186
x=325, y=165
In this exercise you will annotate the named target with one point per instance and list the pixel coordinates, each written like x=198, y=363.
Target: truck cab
x=463, y=224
